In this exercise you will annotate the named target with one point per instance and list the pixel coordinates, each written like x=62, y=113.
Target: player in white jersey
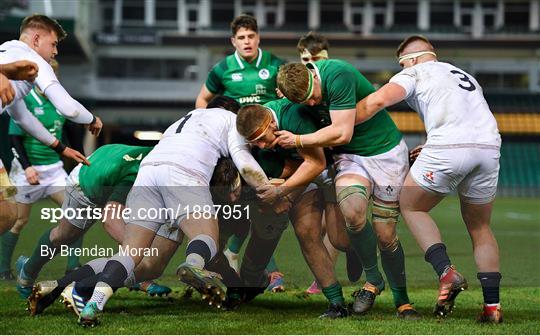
x=461, y=153
x=176, y=175
x=38, y=43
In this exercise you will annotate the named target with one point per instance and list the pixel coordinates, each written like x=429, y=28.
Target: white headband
x=415, y=54
x=306, y=54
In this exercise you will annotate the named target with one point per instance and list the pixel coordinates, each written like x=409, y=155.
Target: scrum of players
x=308, y=142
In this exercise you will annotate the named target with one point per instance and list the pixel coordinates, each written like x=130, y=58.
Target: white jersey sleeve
x=239, y=151
x=406, y=79
x=30, y=123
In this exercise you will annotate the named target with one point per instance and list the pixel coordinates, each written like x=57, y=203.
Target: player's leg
x=306, y=216
x=352, y=195
x=9, y=240
x=72, y=259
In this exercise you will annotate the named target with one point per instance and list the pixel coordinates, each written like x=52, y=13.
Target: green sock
x=272, y=265
x=73, y=260
x=38, y=259
x=334, y=293
x=393, y=263
x=235, y=243
x=364, y=244
x=8, y=241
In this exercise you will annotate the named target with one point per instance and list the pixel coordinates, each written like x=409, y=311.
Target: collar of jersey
x=275, y=116
x=241, y=61
x=312, y=66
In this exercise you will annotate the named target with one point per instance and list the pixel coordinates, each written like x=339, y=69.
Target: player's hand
x=95, y=127
x=413, y=154
x=70, y=153
x=286, y=139
x=268, y=193
x=279, y=94
x=7, y=93
x=21, y=70
x=32, y=175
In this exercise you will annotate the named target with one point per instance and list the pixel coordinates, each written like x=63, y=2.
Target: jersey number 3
x=464, y=78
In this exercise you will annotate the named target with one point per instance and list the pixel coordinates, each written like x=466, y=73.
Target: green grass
x=516, y=222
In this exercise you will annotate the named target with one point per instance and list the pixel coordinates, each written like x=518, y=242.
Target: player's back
x=452, y=105
x=195, y=142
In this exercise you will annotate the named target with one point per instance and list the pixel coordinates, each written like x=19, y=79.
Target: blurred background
x=139, y=64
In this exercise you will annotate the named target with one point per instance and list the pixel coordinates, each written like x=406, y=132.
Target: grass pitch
x=516, y=223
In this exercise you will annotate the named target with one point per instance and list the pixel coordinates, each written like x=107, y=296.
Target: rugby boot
x=451, y=283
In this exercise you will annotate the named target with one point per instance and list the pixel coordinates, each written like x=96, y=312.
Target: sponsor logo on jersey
x=129, y=158
x=264, y=74
x=39, y=111
x=260, y=89
x=237, y=77
x=249, y=100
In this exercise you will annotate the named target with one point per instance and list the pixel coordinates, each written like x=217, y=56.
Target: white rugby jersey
x=196, y=142
x=15, y=50
x=451, y=104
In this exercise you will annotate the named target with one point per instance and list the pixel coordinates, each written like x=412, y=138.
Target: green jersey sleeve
x=214, y=82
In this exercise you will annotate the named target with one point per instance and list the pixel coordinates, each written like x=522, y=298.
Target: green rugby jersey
x=112, y=172
x=46, y=113
x=247, y=83
x=289, y=117
x=342, y=87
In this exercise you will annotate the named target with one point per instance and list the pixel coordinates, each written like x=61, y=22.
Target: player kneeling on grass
x=178, y=172
x=461, y=153
x=103, y=185
x=225, y=186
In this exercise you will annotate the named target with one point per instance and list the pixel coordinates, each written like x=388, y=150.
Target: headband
x=309, y=92
x=306, y=54
x=415, y=54
x=259, y=132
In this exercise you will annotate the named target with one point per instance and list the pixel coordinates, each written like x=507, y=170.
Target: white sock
x=102, y=293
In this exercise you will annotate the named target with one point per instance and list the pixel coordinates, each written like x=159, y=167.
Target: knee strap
x=385, y=213
x=350, y=190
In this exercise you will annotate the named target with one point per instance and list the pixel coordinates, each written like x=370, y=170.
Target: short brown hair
x=38, y=21
x=244, y=21
x=313, y=42
x=250, y=118
x=409, y=40
x=293, y=81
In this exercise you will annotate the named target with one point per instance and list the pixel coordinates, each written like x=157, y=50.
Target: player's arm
x=32, y=175
x=204, y=97
x=389, y=94
x=20, y=70
x=32, y=126
x=7, y=93
x=338, y=133
x=313, y=164
x=72, y=109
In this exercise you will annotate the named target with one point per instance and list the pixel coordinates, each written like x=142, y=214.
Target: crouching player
x=104, y=184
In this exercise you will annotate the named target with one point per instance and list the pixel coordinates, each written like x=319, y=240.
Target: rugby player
x=249, y=76
x=461, y=153
x=37, y=171
x=371, y=160
x=178, y=171
x=314, y=47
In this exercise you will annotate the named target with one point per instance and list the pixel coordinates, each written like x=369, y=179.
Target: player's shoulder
x=272, y=59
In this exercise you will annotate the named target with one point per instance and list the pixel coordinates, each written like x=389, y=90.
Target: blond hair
x=250, y=118
x=293, y=81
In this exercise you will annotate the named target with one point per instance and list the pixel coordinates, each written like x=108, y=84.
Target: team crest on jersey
x=236, y=77
x=428, y=177
x=39, y=110
x=264, y=74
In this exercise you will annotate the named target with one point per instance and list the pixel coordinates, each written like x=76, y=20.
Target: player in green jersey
x=37, y=171
x=314, y=47
x=258, y=123
x=248, y=75
x=371, y=160
x=99, y=191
